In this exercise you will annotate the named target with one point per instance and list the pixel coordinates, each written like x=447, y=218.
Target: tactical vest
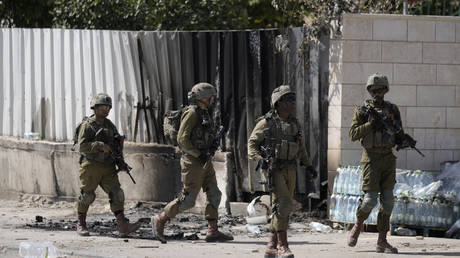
x=379, y=139
x=205, y=131
x=284, y=137
x=109, y=130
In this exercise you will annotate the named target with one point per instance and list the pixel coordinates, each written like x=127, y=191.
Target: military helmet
x=377, y=79
x=279, y=92
x=101, y=99
x=202, y=90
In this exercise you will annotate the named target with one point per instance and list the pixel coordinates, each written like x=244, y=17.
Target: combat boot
x=271, y=251
x=383, y=246
x=214, y=235
x=354, y=234
x=283, y=246
x=82, y=230
x=124, y=227
x=158, y=226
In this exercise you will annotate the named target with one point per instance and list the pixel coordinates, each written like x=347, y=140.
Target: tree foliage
x=197, y=15
x=26, y=13
x=317, y=15
x=100, y=14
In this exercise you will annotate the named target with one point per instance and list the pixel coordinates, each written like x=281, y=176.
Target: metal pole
x=405, y=7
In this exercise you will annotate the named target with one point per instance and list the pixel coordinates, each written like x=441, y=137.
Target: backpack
x=171, y=124
x=77, y=132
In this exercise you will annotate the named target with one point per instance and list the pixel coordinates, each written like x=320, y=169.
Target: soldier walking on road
x=285, y=141
x=195, y=137
x=378, y=162
x=97, y=168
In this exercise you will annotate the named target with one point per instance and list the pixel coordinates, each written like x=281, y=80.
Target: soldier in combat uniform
x=195, y=136
x=287, y=144
x=378, y=162
x=97, y=169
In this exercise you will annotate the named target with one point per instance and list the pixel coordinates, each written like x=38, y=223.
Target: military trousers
x=379, y=178
x=194, y=178
x=284, y=180
x=94, y=174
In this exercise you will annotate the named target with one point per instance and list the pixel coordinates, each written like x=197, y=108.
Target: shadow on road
x=453, y=254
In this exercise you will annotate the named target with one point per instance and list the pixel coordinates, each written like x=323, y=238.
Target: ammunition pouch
x=286, y=150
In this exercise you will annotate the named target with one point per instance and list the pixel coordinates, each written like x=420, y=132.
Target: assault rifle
x=392, y=127
x=215, y=145
x=266, y=163
x=116, y=156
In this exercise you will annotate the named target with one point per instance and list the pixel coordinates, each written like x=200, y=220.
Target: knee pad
x=369, y=202
x=186, y=200
x=387, y=201
x=86, y=198
x=117, y=196
x=284, y=206
x=214, y=195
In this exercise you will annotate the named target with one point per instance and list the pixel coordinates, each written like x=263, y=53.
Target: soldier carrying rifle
x=276, y=142
x=198, y=139
x=97, y=137
x=377, y=125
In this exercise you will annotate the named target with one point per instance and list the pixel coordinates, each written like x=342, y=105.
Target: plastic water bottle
x=354, y=208
x=336, y=179
x=359, y=182
x=345, y=208
x=339, y=176
x=437, y=221
x=349, y=209
x=333, y=206
x=320, y=227
x=345, y=181
x=424, y=212
x=429, y=213
x=417, y=212
x=339, y=208
x=37, y=250
x=396, y=212
x=353, y=181
x=253, y=229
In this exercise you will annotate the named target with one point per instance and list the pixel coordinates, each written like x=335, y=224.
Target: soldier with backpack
x=97, y=167
x=195, y=136
x=280, y=132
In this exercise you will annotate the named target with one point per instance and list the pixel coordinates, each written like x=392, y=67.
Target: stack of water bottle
x=346, y=194
x=420, y=200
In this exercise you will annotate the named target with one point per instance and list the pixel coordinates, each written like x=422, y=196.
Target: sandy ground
x=18, y=223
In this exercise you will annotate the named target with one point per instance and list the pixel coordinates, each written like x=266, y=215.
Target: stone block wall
x=420, y=55
x=52, y=169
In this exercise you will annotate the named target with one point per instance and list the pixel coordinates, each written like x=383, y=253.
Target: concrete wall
x=50, y=168
x=421, y=57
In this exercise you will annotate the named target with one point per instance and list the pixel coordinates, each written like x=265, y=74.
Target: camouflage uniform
x=195, y=137
x=97, y=169
x=378, y=162
x=288, y=146
x=196, y=132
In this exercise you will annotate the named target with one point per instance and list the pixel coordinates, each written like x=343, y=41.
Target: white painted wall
x=421, y=57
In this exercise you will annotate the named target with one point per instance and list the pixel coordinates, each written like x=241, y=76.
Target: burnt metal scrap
x=185, y=226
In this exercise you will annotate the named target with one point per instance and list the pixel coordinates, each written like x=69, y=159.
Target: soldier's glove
x=312, y=171
x=204, y=157
x=377, y=125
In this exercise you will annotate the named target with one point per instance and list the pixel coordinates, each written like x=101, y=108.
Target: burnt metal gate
x=245, y=66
